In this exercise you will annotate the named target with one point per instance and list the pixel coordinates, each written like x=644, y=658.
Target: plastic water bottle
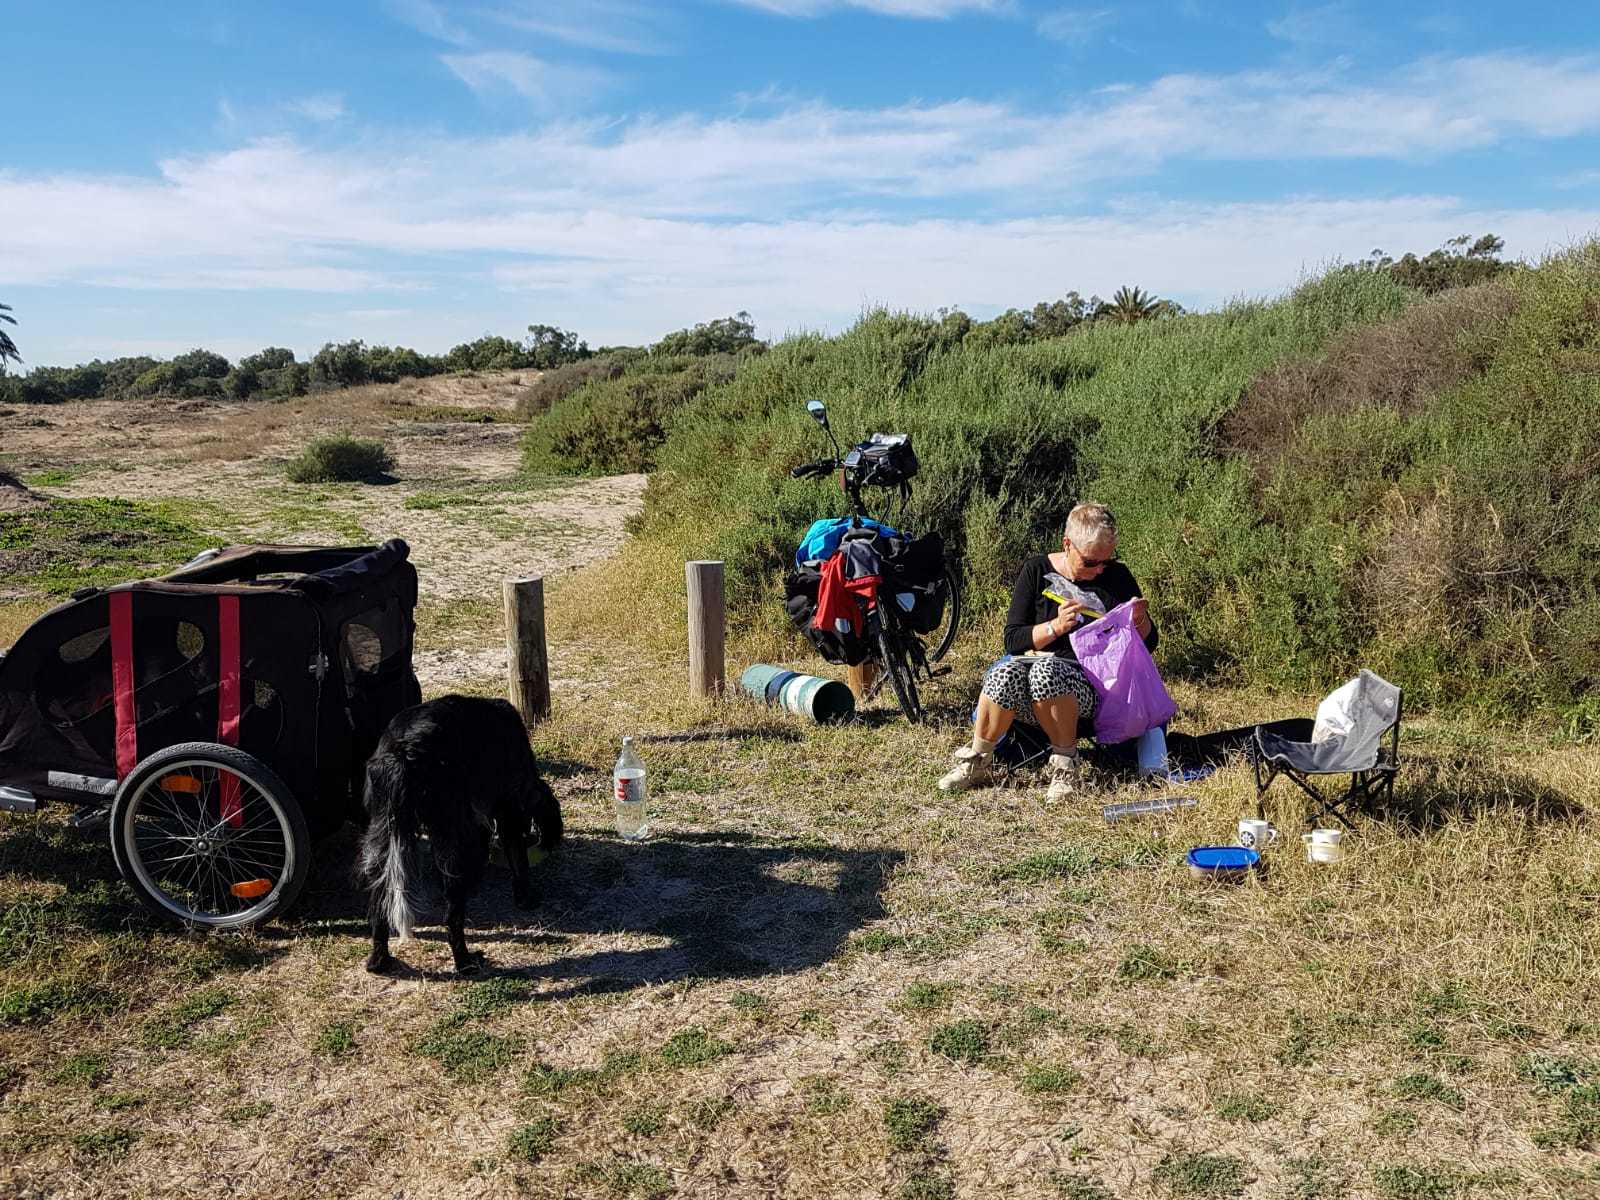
x=628, y=786
x=1152, y=749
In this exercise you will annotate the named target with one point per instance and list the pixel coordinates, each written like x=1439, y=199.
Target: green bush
x=341, y=459
x=1353, y=475
x=557, y=384
x=609, y=426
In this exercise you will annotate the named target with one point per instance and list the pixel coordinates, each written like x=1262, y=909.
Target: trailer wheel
x=209, y=836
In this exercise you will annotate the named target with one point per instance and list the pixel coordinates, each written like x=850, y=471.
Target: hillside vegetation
x=1359, y=473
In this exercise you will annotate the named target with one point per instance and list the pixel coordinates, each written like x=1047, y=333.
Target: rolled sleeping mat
x=823, y=700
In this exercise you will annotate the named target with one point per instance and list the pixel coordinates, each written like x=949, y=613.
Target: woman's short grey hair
x=1090, y=524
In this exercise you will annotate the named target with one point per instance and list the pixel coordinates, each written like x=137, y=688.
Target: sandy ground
x=224, y=462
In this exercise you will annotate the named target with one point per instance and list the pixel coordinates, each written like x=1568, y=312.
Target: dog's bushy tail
x=546, y=814
x=389, y=850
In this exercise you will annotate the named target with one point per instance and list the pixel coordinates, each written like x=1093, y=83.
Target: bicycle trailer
x=217, y=718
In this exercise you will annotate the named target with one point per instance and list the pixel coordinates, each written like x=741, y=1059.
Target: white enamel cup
x=1257, y=835
x=1323, y=845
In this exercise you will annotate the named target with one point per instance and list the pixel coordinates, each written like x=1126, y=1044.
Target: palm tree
x=8, y=348
x=1130, y=304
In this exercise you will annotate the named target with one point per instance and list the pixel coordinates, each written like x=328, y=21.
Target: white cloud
x=613, y=26
x=806, y=211
x=429, y=18
x=924, y=9
x=328, y=106
x=494, y=71
x=1075, y=26
x=1317, y=25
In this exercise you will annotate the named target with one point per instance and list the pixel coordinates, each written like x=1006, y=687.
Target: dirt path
x=459, y=499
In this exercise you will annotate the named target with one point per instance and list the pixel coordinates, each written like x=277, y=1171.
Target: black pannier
x=883, y=460
x=913, y=566
x=800, y=600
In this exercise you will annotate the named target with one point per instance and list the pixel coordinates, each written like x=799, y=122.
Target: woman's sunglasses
x=1091, y=563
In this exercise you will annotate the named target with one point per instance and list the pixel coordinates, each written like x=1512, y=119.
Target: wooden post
x=528, y=668
x=860, y=677
x=707, y=627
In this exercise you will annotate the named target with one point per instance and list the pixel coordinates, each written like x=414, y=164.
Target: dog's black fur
x=460, y=770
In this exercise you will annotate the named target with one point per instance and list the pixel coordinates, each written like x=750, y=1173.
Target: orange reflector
x=181, y=783
x=249, y=889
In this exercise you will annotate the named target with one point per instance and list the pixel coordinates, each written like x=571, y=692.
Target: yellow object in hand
x=1060, y=599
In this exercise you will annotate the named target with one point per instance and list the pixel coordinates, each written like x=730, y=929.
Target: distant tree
x=551, y=347
x=120, y=373
x=340, y=365
x=387, y=364
x=1130, y=304
x=241, y=383
x=1059, y=316
x=273, y=358
x=1460, y=262
x=488, y=353
x=201, y=364
x=726, y=335
x=8, y=348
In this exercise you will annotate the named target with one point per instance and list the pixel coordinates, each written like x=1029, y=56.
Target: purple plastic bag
x=1124, y=676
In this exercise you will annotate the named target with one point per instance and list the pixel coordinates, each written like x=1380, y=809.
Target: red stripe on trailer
x=228, y=701
x=127, y=738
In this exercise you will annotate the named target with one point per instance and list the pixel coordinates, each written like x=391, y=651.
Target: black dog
x=458, y=769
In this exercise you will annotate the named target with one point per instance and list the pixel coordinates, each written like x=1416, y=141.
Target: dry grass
x=739, y=1006
x=824, y=978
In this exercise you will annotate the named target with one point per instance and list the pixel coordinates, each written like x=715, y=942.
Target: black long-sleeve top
x=1029, y=607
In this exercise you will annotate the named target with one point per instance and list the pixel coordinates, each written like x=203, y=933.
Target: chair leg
x=1261, y=787
x=1320, y=803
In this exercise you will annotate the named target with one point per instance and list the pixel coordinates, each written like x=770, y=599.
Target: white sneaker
x=973, y=769
x=1065, y=773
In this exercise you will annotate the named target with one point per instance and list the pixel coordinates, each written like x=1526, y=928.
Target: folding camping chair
x=1352, y=725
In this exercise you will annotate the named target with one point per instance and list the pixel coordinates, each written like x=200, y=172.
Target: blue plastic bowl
x=1222, y=862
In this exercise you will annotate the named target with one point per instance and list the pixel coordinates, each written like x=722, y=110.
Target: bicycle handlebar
x=824, y=466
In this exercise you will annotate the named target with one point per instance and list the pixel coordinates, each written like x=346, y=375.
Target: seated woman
x=1041, y=683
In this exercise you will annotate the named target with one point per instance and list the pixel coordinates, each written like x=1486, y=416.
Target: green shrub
x=610, y=426
x=1356, y=474
x=560, y=382
x=341, y=458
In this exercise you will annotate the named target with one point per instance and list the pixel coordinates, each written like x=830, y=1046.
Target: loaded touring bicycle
x=216, y=719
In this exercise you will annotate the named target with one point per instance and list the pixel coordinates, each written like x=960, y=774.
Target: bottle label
x=629, y=791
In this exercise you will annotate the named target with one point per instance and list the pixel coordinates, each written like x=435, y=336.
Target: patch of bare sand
x=470, y=519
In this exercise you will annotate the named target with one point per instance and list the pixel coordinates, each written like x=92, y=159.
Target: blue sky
x=240, y=174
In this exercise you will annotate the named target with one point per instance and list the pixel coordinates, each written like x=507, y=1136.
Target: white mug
x=1257, y=835
x=1323, y=845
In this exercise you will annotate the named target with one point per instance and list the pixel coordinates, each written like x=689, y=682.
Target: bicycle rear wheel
x=945, y=635
x=897, y=666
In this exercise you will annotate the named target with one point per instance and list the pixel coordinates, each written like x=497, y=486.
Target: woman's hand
x=1071, y=613
x=1141, y=616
